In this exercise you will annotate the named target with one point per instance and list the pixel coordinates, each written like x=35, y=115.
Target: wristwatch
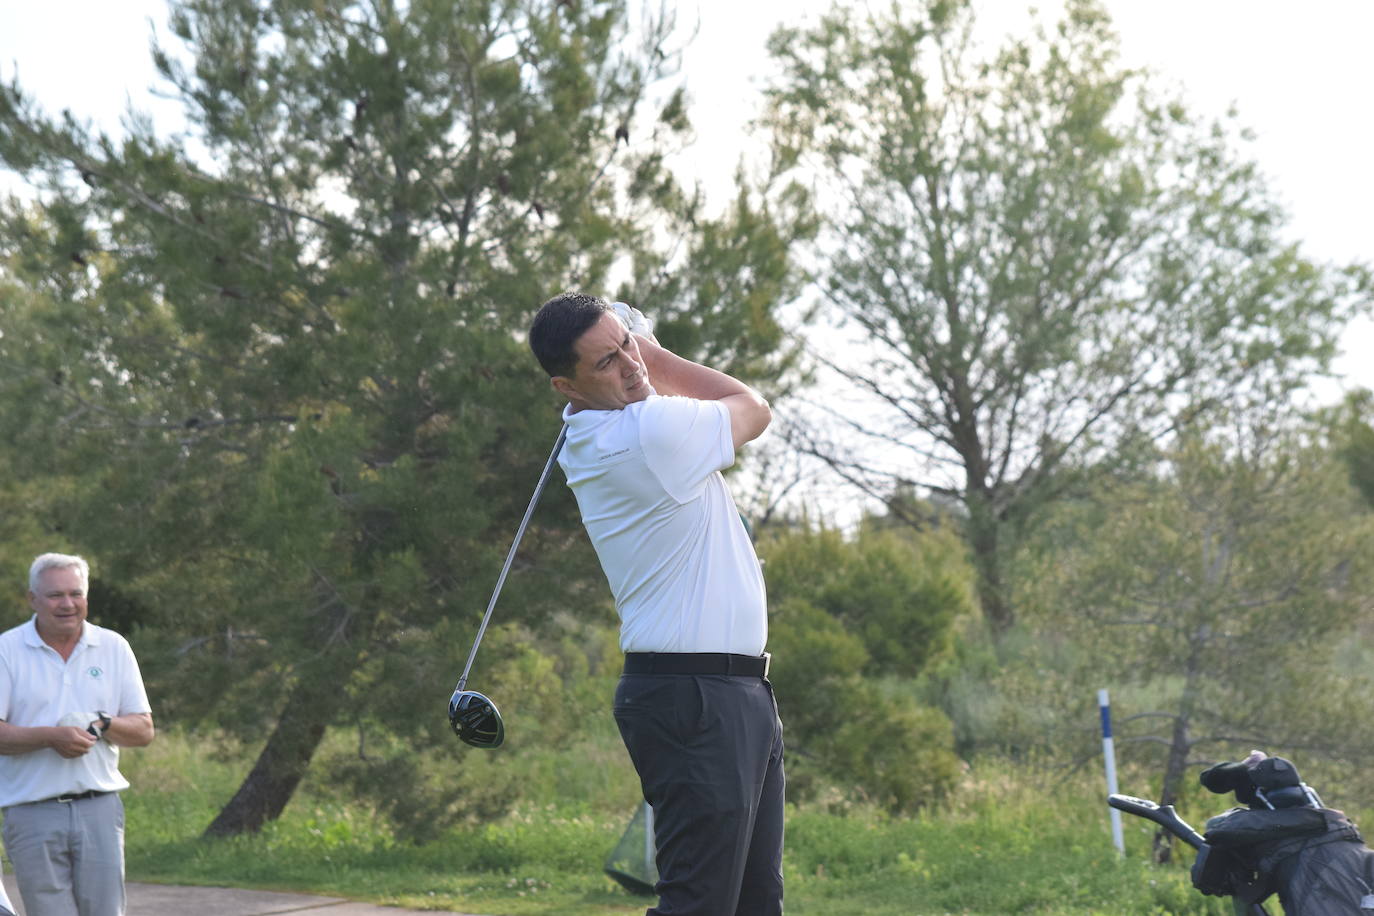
x=104, y=722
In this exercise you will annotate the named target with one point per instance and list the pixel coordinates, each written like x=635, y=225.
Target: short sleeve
x=685, y=441
x=133, y=698
x=6, y=689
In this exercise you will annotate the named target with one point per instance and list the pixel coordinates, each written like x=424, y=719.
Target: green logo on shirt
x=94, y=672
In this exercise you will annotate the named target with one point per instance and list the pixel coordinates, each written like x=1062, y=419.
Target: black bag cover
x=1223, y=873
x=1242, y=827
x=1314, y=857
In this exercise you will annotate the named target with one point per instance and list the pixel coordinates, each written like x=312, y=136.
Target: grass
x=1007, y=842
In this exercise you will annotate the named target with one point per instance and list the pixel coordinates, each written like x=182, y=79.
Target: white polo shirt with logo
x=37, y=688
x=678, y=559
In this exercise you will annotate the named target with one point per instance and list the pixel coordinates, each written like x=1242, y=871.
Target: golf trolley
x=1283, y=841
x=1166, y=817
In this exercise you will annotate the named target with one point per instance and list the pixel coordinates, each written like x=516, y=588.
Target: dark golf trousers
x=708, y=750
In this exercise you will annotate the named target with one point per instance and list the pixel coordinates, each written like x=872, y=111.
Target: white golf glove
x=81, y=720
x=633, y=319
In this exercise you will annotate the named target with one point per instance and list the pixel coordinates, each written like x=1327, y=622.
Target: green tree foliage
x=1038, y=260
x=26, y=527
x=269, y=372
x=851, y=622
x=1355, y=436
x=1213, y=592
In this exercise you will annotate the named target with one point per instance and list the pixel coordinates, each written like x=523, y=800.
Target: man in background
x=648, y=435
x=70, y=696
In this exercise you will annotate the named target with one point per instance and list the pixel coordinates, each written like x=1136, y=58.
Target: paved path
x=171, y=900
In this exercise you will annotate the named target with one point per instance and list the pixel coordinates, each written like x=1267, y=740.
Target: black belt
x=697, y=663
x=78, y=796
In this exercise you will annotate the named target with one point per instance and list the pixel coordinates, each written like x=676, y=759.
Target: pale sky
x=1299, y=75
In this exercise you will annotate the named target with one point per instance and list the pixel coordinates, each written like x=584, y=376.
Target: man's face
x=609, y=373
x=60, y=603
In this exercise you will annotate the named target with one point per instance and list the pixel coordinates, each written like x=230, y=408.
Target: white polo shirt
x=37, y=688
x=675, y=552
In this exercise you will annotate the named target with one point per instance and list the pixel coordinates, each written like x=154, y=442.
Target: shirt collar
x=90, y=633
x=590, y=416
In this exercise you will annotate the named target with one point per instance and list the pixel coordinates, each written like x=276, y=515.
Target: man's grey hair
x=58, y=561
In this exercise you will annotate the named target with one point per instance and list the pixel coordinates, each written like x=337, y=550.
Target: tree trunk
x=997, y=610
x=1180, y=745
x=987, y=561
x=1173, y=775
x=283, y=762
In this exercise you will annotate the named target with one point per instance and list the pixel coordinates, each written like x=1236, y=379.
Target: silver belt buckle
x=767, y=661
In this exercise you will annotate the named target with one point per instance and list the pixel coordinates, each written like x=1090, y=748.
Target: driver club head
x=475, y=719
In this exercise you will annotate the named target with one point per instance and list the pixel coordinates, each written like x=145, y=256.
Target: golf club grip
x=1163, y=815
x=510, y=555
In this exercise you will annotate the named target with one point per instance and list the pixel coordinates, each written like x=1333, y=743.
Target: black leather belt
x=697, y=663
x=78, y=796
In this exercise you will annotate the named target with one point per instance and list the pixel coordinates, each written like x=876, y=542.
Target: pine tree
x=296, y=413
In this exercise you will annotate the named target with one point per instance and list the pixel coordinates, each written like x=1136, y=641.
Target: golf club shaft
x=519, y=533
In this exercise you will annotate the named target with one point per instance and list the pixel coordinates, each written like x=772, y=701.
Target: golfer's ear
x=563, y=386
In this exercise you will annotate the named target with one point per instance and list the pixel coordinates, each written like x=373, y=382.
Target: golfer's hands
x=634, y=320
x=70, y=741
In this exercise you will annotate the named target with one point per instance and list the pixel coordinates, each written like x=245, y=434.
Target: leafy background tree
x=1041, y=260
x=277, y=362
x=1215, y=590
x=1354, y=420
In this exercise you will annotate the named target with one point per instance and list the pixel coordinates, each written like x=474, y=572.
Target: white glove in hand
x=633, y=319
x=81, y=720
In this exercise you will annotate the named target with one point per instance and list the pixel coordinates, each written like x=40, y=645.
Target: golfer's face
x=610, y=373
x=59, y=604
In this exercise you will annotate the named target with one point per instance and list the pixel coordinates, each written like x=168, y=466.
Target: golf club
x=474, y=717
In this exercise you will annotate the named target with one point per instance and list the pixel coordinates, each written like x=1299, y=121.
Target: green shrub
x=844, y=614
x=899, y=754
x=897, y=592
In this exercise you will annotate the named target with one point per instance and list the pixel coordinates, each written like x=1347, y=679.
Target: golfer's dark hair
x=557, y=326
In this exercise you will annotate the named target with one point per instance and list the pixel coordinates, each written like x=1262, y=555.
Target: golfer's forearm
x=133, y=730
x=16, y=739
x=670, y=374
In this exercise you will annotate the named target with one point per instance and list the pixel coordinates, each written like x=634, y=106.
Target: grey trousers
x=68, y=857
x=708, y=751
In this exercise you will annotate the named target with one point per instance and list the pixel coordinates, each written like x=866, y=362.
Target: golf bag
x=1283, y=841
